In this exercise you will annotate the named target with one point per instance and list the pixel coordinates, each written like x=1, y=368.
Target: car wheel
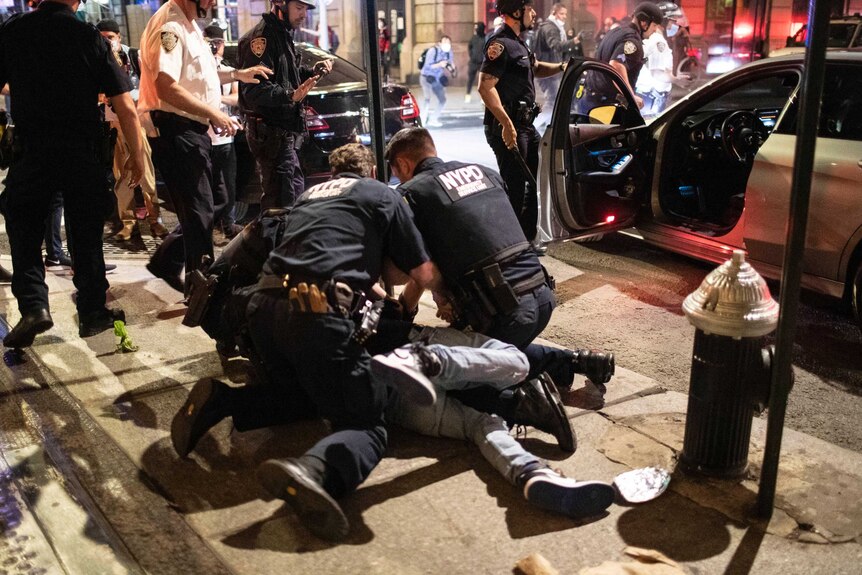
x=856, y=295
x=689, y=68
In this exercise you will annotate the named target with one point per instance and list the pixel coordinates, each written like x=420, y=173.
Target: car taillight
x=313, y=121
x=409, y=107
x=610, y=219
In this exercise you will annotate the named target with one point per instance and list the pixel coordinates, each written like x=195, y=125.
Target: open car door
x=596, y=156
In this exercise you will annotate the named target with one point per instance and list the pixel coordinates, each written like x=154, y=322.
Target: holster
x=200, y=293
x=106, y=144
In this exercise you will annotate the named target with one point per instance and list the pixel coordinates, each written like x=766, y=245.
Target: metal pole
x=375, y=85
x=323, y=28
x=803, y=163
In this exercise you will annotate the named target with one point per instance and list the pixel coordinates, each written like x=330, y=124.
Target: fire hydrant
x=733, y=311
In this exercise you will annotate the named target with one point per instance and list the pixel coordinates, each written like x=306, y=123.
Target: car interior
x=710, y=152
x=606, y=155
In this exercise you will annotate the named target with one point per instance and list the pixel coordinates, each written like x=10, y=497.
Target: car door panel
x=593, y=177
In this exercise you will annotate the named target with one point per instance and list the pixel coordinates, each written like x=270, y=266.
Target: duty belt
x=313, y=295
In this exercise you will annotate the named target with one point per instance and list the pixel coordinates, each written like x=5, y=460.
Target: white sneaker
x=434, y=124
x=407, y=369
x=551, y=491
x=468, y=98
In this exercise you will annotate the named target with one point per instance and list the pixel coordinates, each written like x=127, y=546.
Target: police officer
x=60, y=146
x=506, y=87
x=331, y=253
x=273, y=108
x=181, y=98
x=622, y=49
x=495, y=279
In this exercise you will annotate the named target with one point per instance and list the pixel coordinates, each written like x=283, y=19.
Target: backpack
x=421, y=61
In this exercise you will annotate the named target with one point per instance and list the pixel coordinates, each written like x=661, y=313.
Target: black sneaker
x=62, y=261
x=598, y=366
x=550, y=490
x=407, y=369
x=288, y=479
x=93, y=323
x=537, y=403
x=202, y=410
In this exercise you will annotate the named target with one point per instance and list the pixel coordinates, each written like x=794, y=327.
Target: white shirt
x=173, y=45
x=656, y=73
x=219, y=140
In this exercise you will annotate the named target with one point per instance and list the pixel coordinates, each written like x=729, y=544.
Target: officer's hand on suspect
x=250, y=75
x=322, y=68
x=445, y=311
x=304, y=88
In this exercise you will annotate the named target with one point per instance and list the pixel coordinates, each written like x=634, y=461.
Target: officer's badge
x=495, y=49
x=169, y=41
x=258, y=46
x=629, y=47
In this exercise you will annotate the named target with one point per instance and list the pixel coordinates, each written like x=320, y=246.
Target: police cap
x=510, y=6
x=108, y=26
x=214, y=31
x=648, y=12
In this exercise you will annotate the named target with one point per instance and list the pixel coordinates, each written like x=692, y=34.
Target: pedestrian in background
x=273, y=107
x=129, y=61
x=553, y=45
x=476, y=53
x=60, y=146
x=434, y=80
x=224, y=150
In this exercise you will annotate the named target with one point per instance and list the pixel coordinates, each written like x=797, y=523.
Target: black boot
x=204, y=407
x=598, y=366
x=536, y=402
x=28, y=327
x=290, y=480
x=93, y=323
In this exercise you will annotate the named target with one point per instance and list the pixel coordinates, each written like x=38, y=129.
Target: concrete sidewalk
x=89, y=482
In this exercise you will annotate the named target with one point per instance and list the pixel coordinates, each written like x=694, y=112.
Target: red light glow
x=610, y=219
x=743, y=30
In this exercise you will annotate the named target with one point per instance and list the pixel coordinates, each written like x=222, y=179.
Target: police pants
x=76, y=172
x=314, y=355
x=281, y=175
x=181, y=152
x=522, y=193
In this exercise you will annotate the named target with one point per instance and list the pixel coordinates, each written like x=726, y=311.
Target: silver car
x=712, y=173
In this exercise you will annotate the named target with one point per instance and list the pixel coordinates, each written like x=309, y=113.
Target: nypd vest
x=465, y=216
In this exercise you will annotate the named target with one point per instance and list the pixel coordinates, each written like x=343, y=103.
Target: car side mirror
x=603, y=114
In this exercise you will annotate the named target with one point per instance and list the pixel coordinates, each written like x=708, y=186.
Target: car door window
x=841, y=105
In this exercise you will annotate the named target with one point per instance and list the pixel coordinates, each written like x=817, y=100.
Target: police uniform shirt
x=343, y=228
x=56, y=67
x=508, y=59
x=269, y=43
x=625, y=45
x=467, y=220
x=173, y=45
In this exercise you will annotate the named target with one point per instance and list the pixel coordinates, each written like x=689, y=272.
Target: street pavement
x=89, y=482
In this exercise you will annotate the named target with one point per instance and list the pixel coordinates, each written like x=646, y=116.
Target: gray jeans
x=469, y=360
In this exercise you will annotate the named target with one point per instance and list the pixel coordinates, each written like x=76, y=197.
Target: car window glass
x=841, y=110
x=771, y=92
x=342, y=70
x=599, y=99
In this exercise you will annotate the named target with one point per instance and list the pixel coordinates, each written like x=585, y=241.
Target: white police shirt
x=173, y=45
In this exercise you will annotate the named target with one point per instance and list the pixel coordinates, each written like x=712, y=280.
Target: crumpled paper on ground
x=535, y=564
x=647, y=562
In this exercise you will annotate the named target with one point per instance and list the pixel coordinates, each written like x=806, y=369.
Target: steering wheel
x=741, y=135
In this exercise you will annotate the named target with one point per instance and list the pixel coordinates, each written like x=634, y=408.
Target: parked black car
x=337, y=113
